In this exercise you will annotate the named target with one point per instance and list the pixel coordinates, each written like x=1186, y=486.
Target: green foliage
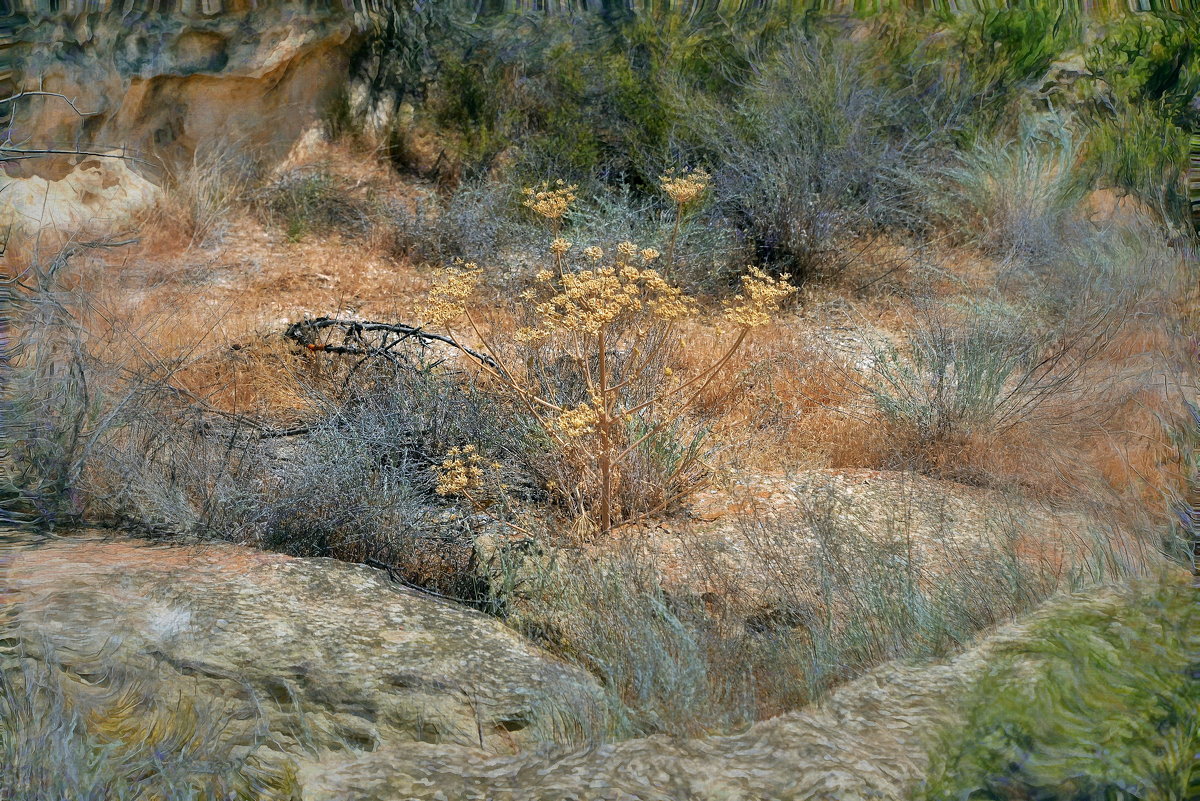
x=1101, y=701
x=1023, y=38
x=1142, y=150
x=1138, y=138
x=1147, y=58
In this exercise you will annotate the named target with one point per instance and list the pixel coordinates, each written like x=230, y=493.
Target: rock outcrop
x=160, y=83
x=325, y=654
x=375, y=693
x=167, y=82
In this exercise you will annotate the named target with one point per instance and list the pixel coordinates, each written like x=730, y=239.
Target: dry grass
x=786, y=400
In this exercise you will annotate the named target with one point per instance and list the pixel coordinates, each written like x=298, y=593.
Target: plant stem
x=674, y=236
x=605, y=443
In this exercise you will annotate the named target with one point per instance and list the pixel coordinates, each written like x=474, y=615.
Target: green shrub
x=1101, y=701
x=1147, y=58
x=1150, y=65
x=1141, y=150
x=1020, y=41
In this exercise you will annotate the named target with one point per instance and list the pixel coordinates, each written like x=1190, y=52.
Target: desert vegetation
x=726, y=356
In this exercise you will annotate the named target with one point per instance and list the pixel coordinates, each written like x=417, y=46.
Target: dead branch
x=43, y=93
x=356, y=342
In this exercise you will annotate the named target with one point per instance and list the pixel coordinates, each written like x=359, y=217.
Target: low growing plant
x=1101, y=701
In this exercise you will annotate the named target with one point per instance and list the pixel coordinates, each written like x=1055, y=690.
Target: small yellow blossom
x=627, y=250
x=559, y=246
x=594, y=253
x=650, y=254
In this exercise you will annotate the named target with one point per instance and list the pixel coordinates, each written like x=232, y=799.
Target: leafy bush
x=1102, y=701
x=1017, y=43
x=1142, y=150
x=1150, y=65
x=484, y=223
x=1149, y=58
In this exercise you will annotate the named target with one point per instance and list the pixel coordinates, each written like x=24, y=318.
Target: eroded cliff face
x=161, y=82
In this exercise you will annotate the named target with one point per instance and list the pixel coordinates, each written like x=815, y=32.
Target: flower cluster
x=684, y=187
x=550, y=201
x=577, y=422
x=761, y=295
x=447, y=299
x=590, y=300
x=462, y=471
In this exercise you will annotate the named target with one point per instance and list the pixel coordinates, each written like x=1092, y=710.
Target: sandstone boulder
x=324, y=654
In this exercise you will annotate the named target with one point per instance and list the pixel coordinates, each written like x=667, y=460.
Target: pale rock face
x=163, y=85
x=99, y=194
x=329, y=656
x=375, y=693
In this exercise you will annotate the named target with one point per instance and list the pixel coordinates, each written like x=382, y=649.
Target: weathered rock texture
x=161, y=83
x=333, y=654
x=354, y=677
x=168, y=82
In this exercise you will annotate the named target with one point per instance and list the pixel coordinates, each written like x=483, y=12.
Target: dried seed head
x=550, y=202
x=684, y=187
x=447, y=299
x=461, y=471
x=761, y=296
x=559, y=246
x=577, y=421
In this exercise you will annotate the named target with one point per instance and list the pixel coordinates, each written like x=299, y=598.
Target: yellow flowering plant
x=608, y=324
